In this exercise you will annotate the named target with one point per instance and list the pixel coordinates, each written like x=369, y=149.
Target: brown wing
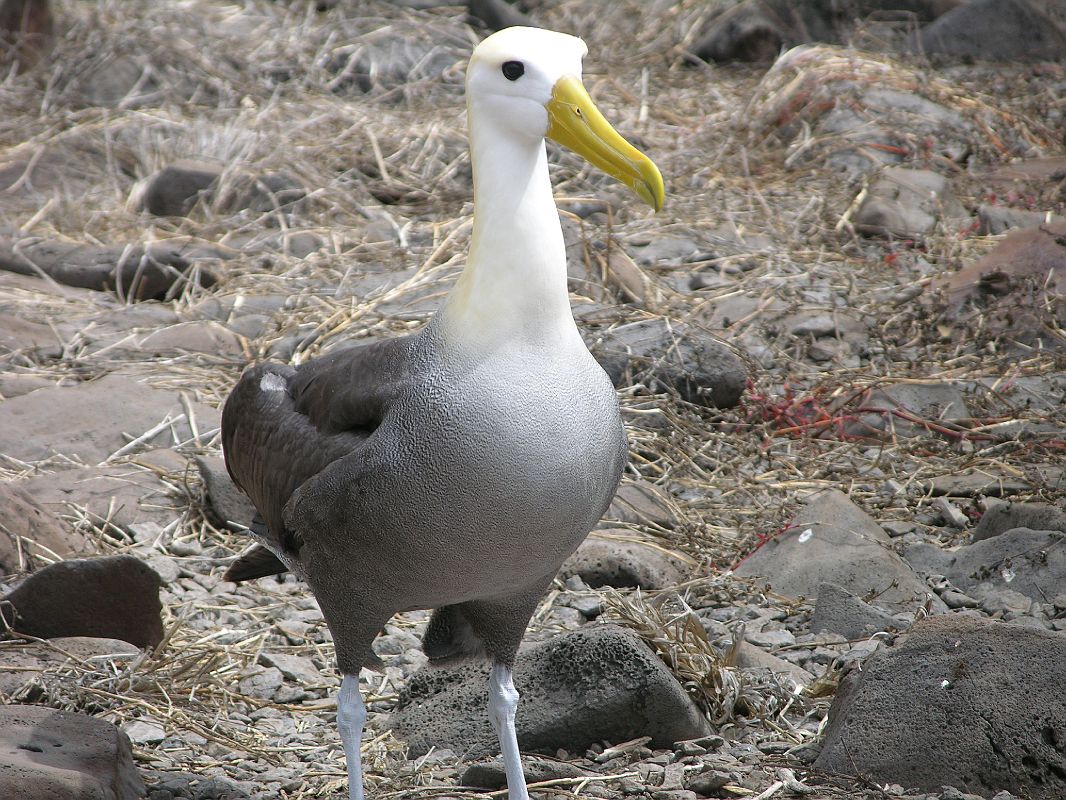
x=282, y=425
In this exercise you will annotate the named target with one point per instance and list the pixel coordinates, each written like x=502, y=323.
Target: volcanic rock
x=602, y=560
x=60, y=755
x=958, y=701
x=599, y=683
x=831, y=540
x=30, y=533
x=115, y=597
x=669, y=355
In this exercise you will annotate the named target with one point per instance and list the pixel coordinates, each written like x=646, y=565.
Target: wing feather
x=282, y=426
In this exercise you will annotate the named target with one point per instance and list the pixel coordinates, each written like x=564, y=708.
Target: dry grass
x=256, y=86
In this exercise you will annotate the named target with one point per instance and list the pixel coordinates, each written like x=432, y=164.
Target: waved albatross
x=456, y=468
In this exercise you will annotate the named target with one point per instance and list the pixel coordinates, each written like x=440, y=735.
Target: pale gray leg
x=351, y=716
x=503, y=701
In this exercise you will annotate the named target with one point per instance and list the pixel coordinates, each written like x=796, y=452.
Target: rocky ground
x=836, y=565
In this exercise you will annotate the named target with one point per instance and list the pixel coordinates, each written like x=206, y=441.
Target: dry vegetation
x=251, y=84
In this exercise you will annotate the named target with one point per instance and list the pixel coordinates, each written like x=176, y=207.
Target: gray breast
x=492, y=473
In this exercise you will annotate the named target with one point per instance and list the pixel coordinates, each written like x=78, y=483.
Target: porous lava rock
x=605, y=560
x=601, y=683
x=957, y=701
x=115, y=597
x=47, y=754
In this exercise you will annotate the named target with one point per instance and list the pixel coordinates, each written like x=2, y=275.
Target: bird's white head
x=528, y=82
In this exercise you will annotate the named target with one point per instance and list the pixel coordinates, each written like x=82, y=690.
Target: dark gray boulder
x=601, y=683
x=994, y=30
x=173, y=190
x=150, y=271
x=958, y=701
x=757, y=30
x=227, y=503
x=115, y=597
x=831, y=540
x=669, y=355
x=839, y=611
x=491, y=775
x=58, y=755
x=496, y=14
x=1003, y=517
x=90, y=420
x=1030, y=562
x=125, y=495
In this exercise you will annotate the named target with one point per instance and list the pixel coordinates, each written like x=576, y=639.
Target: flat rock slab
x=115, y=597
x=1000, y=219
x=119, y=497
x=958, y=701
x=974, y=482
x=598, y=684
x=604, y=559
x=57, y=755
x=26, y=337
x=87, y=421
x=641, y=502
x=832, y=540
x=751, y=657
x=669, y=355
x=22, y=661
x=204, y=337
x=31, y=535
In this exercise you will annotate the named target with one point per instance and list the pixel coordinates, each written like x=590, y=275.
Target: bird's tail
x=450, y=637
x=255, y=562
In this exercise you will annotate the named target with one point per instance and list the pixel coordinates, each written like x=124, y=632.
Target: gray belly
x=489, y=484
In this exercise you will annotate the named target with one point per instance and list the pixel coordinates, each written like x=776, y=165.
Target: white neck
x=515, y=279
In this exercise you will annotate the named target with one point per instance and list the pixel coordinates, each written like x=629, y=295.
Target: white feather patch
x=272, y=382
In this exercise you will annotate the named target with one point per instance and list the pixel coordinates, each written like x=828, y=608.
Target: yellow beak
x=575, y=122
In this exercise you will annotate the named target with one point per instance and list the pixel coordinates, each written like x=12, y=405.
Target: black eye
x=513, y=70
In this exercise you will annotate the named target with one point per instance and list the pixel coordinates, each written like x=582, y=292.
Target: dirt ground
x=753, y=241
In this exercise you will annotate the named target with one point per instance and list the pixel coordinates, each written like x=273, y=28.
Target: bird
x=454, y=468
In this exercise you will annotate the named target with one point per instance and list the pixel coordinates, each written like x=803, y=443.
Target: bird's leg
x=503, y=702
x=351, y=716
